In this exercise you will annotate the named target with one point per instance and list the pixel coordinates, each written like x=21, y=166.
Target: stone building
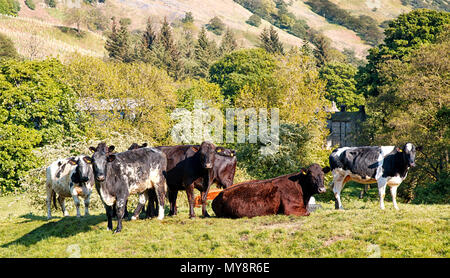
x=344, y=127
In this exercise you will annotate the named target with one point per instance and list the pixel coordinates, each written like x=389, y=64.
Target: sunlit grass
x=362, y=230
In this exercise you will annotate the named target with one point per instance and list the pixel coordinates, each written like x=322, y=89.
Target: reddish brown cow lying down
x=288, y=194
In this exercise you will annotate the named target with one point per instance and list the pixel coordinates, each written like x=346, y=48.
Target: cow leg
x=63, y=207
x=49, y=201
x=143, y=197
x=152, y=203
x=120, y=206
x=75, y=199
x=204, y=199
x=338, y=185
x=364, y=191
x=394, y=196
x=160, y=197
x=173, y=202
x=86, y=204
x=382, y=190
x=190, y=196
x=109, y=215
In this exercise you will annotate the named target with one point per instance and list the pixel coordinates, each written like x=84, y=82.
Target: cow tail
x=54, y=198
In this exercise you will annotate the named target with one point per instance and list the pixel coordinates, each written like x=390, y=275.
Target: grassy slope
x=359, y=231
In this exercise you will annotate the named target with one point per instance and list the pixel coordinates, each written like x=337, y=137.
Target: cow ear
x=93, y=149
x=399, y=150
x=326, y=170
x=144, y=145
x=303, y=171
x=111, y=158
x=194, y=148
x=219, y=150
x=419, y=148
x=72, y=161
x=87, y=159
x=111, y=148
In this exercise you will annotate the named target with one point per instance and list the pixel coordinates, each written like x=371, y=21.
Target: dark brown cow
x=288, y=194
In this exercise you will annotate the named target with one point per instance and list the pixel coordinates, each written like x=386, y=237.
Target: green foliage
x=242, y=67
x=341, y=85
x=206, y=53
x=412, y=106
x=51, y=3
x=16, y=154
x=9, y=7
x=254, y=20
x=36, y=108
x=124, y=98
x=435, y=192
x=30, y=4
x=294, y=153
x=228, y=43
x=188, y=18
x=7, y=49
x=365, y=26
x=193, y=90
x=118, y=41
x=216, y=26
x=270, y=41
x=35, y=96
x=404, y=34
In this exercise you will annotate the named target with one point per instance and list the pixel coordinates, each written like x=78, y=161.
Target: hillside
x=52, y=41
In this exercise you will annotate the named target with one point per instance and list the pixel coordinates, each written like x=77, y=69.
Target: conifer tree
x=205, y=54
x=229, y=42
x=270, y=41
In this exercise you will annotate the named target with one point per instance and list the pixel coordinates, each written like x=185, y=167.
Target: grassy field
x=362, y=230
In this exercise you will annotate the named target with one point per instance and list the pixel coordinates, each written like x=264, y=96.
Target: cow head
x=135, y=146
x=102, y=155
x=408, y=153
x=83, y=169
x=312, y=178
x=207, y=151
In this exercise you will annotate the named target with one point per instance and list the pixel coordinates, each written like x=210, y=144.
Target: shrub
x=9, y=7
x=254, y=20
x=216, y=26
x=434, y=193
x=7, y=49
x=30, y=4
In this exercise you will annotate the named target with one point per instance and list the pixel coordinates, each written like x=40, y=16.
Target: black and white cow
x=385, y=165
x=70, y=177
x=117, y=175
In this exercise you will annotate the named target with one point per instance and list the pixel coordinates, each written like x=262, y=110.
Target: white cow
x=70, y=177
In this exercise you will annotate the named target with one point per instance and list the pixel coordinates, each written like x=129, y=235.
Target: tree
x=270, y=42
x=240, y=68
x=216, y=26
x=254, y=20
x=341, y=85
x=37, y=107
x=124, y=98
x=405, y=34
x=9, y=7
x=7, y=49
x=296, y=90
x=149, y=36
x=206, y=53
x=188, y=18
x=76, y=16
x=228, y=43
x=118, y=41
x=172, y=54
x=413, y=106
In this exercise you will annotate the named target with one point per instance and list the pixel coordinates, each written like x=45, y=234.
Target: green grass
x=362, y=230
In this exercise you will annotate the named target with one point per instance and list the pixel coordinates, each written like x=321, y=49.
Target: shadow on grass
x=63, y=228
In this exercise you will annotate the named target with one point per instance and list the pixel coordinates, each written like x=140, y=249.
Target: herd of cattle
x=156, y=172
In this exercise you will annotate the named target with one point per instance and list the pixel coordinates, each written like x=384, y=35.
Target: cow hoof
x=117, y=231
x=133, y=218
